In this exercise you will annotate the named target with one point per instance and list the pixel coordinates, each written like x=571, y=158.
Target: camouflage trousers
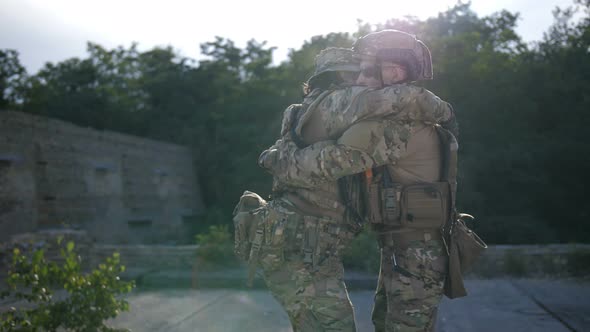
x=411, y=279
x=310, y=287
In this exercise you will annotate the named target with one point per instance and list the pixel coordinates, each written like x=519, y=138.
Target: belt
x=405, y=238
x=308, y=208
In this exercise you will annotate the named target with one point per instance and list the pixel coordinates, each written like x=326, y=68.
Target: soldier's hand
x=268, y=158
x=276, y=158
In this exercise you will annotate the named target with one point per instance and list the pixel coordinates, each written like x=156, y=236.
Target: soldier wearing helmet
x=413, y=259
x=309, y=285
x=398, y=164
x=334, y=65
x=393, y=46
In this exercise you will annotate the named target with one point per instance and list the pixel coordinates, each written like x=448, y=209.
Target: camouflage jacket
x=363, y=128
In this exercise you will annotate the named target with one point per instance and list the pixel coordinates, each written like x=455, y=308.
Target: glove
x=268, y=158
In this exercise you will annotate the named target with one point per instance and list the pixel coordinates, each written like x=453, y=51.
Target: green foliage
x=363, y=253
x=216, y=247
x=578, y=263
x=60, y=296
x=12, y=76
x=514, y=264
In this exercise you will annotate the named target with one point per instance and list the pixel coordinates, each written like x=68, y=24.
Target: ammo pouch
x=464, y=248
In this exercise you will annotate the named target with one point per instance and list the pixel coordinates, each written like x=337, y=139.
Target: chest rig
x=390, y=206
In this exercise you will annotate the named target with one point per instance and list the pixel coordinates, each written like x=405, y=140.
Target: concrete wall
x=120, y=188
x=534, y=261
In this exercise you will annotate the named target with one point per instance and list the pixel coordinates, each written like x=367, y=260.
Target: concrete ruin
x=119, y=188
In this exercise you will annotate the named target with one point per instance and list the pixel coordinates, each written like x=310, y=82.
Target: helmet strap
x=379, y=73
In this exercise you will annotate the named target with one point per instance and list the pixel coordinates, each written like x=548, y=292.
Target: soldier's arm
x=451, y=124
x=287, y=123
x=404, y=102
x=289, y=116
x=363, y=146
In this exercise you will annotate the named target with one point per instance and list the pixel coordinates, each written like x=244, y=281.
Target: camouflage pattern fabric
x=313, y=294
x=363, y=146
x=408, y=301
x=335, y=59
x=401, y=102
x=314, y=300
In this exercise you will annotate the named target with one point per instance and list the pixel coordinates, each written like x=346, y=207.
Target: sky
x=55, y=30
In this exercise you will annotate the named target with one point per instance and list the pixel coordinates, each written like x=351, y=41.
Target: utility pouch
x=248, y=216
x=260, y=229
x=464, y=248
x=323, y=237
x=382, y=198
x=310, y=246
x=425, y=205
x=390, y=204
x=272, y=252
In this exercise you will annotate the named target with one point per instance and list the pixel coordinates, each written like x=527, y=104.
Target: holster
x=464, y=248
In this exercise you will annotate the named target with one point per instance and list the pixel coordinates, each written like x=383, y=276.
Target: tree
x=12, y=76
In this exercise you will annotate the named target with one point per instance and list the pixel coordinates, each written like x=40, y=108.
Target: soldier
x=406, y=184
x=301, y=231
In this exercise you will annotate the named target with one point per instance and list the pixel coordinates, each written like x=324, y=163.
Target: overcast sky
x=54, y=30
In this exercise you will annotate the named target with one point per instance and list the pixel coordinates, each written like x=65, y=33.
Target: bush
x=514, y=264
x=216, y=247
x=579, y=263
x=89, y=298
x=363, y=253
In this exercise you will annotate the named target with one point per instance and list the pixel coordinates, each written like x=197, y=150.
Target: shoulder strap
x=449, y=148
x=308, y=110
x=294, y=120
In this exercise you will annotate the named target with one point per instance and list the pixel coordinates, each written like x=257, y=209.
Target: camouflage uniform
x=304, y=231
x=312, y=292
x=407, y=296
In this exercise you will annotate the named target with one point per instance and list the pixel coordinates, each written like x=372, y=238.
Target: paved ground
x=493, y=305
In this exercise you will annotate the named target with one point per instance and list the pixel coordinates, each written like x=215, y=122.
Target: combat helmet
x=334, y=59
x=400, y=47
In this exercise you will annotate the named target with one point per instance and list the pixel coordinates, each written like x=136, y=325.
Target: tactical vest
x=399, y=208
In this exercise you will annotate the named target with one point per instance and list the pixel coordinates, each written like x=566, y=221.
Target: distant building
x=119, y=188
